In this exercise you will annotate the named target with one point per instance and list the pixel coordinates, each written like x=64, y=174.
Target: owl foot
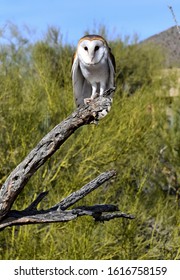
x=88, y=100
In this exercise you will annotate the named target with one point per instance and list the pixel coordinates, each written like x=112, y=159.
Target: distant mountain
x=169, y=40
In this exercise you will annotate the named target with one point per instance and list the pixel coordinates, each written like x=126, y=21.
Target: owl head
x=91, y=49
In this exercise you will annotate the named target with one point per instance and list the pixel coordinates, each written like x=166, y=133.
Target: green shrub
x=36, y=94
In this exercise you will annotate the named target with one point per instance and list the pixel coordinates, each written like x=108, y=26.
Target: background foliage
x=135, y=139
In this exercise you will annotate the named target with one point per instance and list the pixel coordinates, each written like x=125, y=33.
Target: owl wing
x=81, y=88
x=112, y=69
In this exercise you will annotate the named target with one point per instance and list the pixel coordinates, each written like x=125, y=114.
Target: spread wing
x=81, y=88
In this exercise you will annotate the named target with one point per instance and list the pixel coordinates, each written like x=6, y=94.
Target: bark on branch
x=59, y=212
x=36, y=158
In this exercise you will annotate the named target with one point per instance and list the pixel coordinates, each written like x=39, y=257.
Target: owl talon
x=87, y=100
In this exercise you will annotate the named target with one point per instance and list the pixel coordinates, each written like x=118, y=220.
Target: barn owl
x=93, y=69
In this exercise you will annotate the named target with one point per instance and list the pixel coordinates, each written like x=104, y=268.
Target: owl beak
x=92, y=57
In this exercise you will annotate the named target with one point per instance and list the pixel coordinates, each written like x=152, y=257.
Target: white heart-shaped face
x=91, y=51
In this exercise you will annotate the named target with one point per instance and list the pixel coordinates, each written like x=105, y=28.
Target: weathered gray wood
x=37, y=157
x=56, y=216
x=31, y=215
x=45, y=149
x=79, y=194
x=34, y=204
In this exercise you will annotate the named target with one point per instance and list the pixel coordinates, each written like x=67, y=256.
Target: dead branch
x=19, y=177
x=57, y=213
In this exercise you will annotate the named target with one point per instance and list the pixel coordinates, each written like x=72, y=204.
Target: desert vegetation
x=136, y=139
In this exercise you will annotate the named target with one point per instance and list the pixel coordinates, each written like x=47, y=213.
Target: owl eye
x=96, y=48
x=86, y=48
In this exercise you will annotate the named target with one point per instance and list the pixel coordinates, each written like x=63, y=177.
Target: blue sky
x=121, y=17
